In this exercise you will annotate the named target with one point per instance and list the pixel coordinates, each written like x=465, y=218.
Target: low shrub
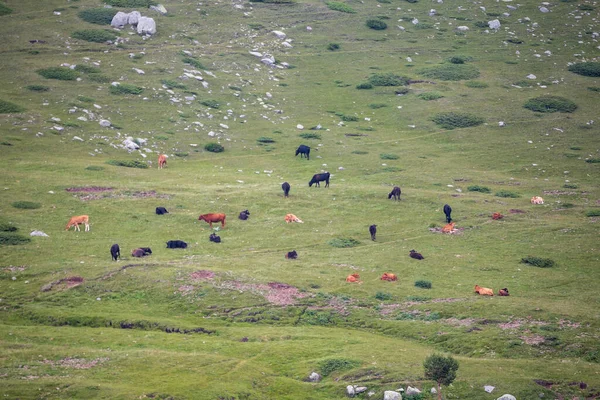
x=333, y=46
x=193, y=62
x=451, y=120
x=364, y=85
x=586, y=68
x=343, y=242
x=94, y=35
x=100, y=16
x=13, y=239
x=236, y=88
x=538, y=261
x=210, y=103
x=592, y=213
x=173, y=84
x=131, y=3
x=264, y=139
x=570, y=186
x=592, y=160
x=376, y=24
x=428, y=96
x=327, y=367
x=125, y=88
x=94, y=168
x=85, y=99
x=6, y=107
x=99, y=78
x=214, y=148
x=423, y=25
x=476, y=84
x=86, y=69
x=360, y=152
x=348, y=118
x=4, y=10
x=417, y=298
x=26, y=205
x=339, y=6
x=37, y=88
x=507, y=194
x=383, y=296
x=481, y=24
x=181, y=154
x=451, y=72
x=376, y=106
x=550, y=104
x=128, y=163
x=161, y=137
x=310, y=135
x=401, y=91
x=459, y=59
x=388, y=79
x=593, y=88
x=423, y=284
x=59, y=73
x=388, y=156
x=6, y=227
x=477, y=188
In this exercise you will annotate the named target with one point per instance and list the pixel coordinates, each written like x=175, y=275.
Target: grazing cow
x=319, y=178
x=497, y=215
x=115, y=251
x=303, y=151
x=76, y=221
x=291, y=255
x=353, y=278
x=162, y=161
x=176, y=244
x=537, y=200
x=141, y=252
x=292, y=218
x=415, y=255
x=503, y=292
x=210, y=218
x=244, y=215
x=161, y=211
x=395, y=193
x=448, y=228
x=286, y=189
x=214, y=238
x=448, y=211
x=483, y=291
x=373, y=231
x=388, y=276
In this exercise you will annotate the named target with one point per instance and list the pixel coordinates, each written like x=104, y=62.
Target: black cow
x=161, y=211
x=415, y=255
x=214, y=238
x=291, y=255
x=244, y=215
x=147, y=251
x=448, y=211
x=176, y=244
x=373, y=231
x=395, y=193
x=319, y=178
x=303, y=150
x=286, y=189
x=115, y=251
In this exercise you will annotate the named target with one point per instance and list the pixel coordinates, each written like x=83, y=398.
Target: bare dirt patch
x=66, y=283
x=12, y=268
x=76, y=363
x=186, y=289
x=457, y=231
x=275, y=292
x=354, y=267
x=559, y=193
x=202, y=275
x=124, y=195
x=460, y=322
x=89, y=189
x=533, y=340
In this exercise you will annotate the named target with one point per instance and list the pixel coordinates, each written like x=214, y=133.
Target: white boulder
x=462, y=28
x=544, y=10
x=411, y=391
x=134, y=17
x=146, y=26
x=120, y=20
x=160, y=9
x=507, y=397
x=38, y=233
x=105, y=123
x=314, y=377
x=350, y=392
x=279, y=34
x=494, y=24
x=391, y=395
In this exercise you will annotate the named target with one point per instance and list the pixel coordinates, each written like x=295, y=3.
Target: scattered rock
x=314, y=377
x=350, y=392
x=105, y=123
x=411, y=391
x=462, y=28
x=501, y=123
x=494, y=24
x=489, y=388
x=279, y=34
x=146, y=26
x=391, y=395
x=38, y=233
x=133, y=18
x=77, y=138
x=360, y=389
x=433, y=390
x=544, y=10
x=507, y=397
x=299, y=126
x=120, y=20
x=160, y=9
x=139, y=71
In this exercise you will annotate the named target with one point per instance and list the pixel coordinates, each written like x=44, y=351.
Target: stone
x=489, y=388
x=77, y=138
x=134, y=18
x=268, y=60
x=360, y=389
x=279, y=34
x=432, y=12
x=105, y=123
x=507, y=397
x=415, y=21
x=433, y=390
x=38, y=233
x=299, y=126
x=256, y=53
x=501, y=123
x=494, y=24
x=120, y=20
x=139, y=71
x=308, y=28
x=391, y=395
x=531, y=76
x=287, y=44
x=462, y=28
x=159, y=8
x=350, y=391
x=411, y=391
x=544, y=10
x=146, y=26
x=130, y=145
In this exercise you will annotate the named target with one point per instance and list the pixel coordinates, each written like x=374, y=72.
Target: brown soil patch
x=202, y=275
x=124, y=267
x=559, y=193
x=446, y=300
x=387, y=309
x=186, y=289
x=12, y=268
x=459, y=322
x=544, y=383
x=533, y=340
x=568, y=324
x=68, y=283
x=76, y=363
x=89, y=189
x=134, y=195
x=276, y=293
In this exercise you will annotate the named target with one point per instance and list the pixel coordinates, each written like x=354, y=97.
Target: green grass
x=6, y=107
x=428, y=96
x=344, y=242
x=13, y=239
x=451, y=72
x=339, y=6
x=452, y=120
x=131, y=3
x=128, y=163
x=477, y=188
x=507, y=194
x=26, y=205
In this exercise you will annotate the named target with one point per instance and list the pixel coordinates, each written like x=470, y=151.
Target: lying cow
x=292, y=218
x=537, y=200
x=214, y=238
x=291, y=255
x=303, y=151
x=497, y=216
x=76, y=221
x=483, y=291
x=503, y=292
x=415, y=255
x=353, y=278
x=115, y=252
x=244, y=215
x=320, y=178
x=141, y=252
x=448, y=211
x=161, y=211
x=286, y=189
x=388, y=276
x=176, y=244
x=448, y=228
x=395, y=193
x=210, y=218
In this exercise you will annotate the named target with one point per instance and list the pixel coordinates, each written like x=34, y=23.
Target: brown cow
x=353, y=278
x=210, y=218
x=448, y=228
x=162, y=161
x=388, y=276
x=292, y=218
x=483, y=291
x=497, y=215
x=503, y=292
x=76, y=221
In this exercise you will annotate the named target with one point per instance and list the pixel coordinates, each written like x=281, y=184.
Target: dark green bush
x=264, y=139
x=273, y=1
x=428, y=96
x=100, y=16
x=193, y=62
x=337, y=364
x=423, y=25
x=476, y=84
x=214, y=148
x=550, y=104
x=59, y=73
x=586, y=68
x=388, y=79
x=339, y=6
x=94, y=35
x=333, y=46
x=593, y=88
x=570, y=186
x=402, y=91
x=593, y=160
x=6, y=107
x=538, y=262
x=181, y=154
x=85, y=99
x=6, y=227
x=365, y=85
x=348, y=118
x=8, y=238
x=451, y=72
x=26, y=205
x=383, y=296
x=343, y=242
x=86, y=69
x=388, y=156
x=451, y=120
x=592, y=213
x=481, y=189
x=131, y=3
x=210, y=103
x=481, y=24
x=37, y=88
x=417, y=298
x=94, y=168
x=125, y=88
x=376, y=24
x=128, y=163
x=98, y=78
x=310, y=135
x=4, y=10
x=423, y=284
x=172, y=84
x=376, y=106
x=360, y=152
x=507, y=194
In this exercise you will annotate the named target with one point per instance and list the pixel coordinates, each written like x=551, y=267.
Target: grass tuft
x=37, y=88
x=428, y=96
x=310, y=135
x=476, y=84
x=388, y=79
x=4, y=10
x=451, y=120
x=94, y=35
x=376, y=24
x=451, y=72
x=423, y=284
x=94, y=168
x=586, y=68
x=131, y=3
x=6, y=107
x=339, y=6
x=99, y=16
x=170, y=84
x=538, y=262
x=210, y=103
x=507, y=194
x=477, y=188
x=327, y=367
x=383, y=296
x=128, y=163
x=58, y=73
x=592, y=213
x=13, y=239
x=26, y=205
x=388, y=156
x=214, y=148
x=344, y=242
x=125, y=88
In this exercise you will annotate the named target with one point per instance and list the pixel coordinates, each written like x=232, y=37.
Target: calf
x=244, y=215
x=503, y=292
x=388, y=276
x=286, y=189
x=497, y=216
x=210, y=218
x=76, y=221
x=214, y=238
x=291, y=255
x=303, y=151
x=115, y=251
x=483, y=291
x=395, y=193
x=448, y=228
x=292, y=218
x=141, y=252
x=537, y=200
x=319, y=178
x=176, y=244
x=353, y=278
x=161, y=211
x=415, y=255
x=162, y=161
x=448, y=211
x=373, y=231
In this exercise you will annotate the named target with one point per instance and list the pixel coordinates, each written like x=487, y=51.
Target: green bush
x=26, y=205
x=376, y=24
x=417, y=298
x=550, y=104
x=428, y=96
x=128, y=163
x=401, y=91
x=459, y=59
x=476, y=84
x=336, y=364
x=333, y=46
x=343, y=242
x=6, y=107
x=339, y=6
x=592, y=160
x=125, y=88
x=376, y=106
x=423, y=284
x=360, y=152
x=570, y=186
x=481, y=24
x=210, y=103
x=59, y=73
x=423, y=25
x=37, y=88
x=6, y=227
x=388, y=156
x=131, y=3
x=593, y=88
x=477, y=188
x=98, y=78
x=310, y=135
x=507, y=194
x=193, y=62
x=94, y=168
x=8, y=238
x=586, y=7
x=4, y=10
x=451, y=72
x=586, y=68
x=172, y=84
x=364, y=85
x=538, y=262
x=100, y=16
x=388, y=79
x=383, y=296
x=85, y=99
x=348, y=118
x=94, y=35
x=264, y=139
x=214, y=148
x=592, y=213
x=451, y=120
x=86, y=69
x=181, y=154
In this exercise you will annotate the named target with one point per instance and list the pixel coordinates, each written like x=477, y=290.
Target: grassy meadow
x=435, y=109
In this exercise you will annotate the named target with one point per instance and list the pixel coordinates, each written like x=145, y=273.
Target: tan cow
x=75, y=221
x=354, y=278
x=483, y=291
x=537, y=200
x=292, y=218
x=162, y=161
x=388, y=276
x=448, y=228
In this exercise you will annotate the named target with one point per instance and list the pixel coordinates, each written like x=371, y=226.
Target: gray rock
x=489, y=388
x=462, y=28
x=279, y=34
x=119, y=20
x=160, y=9
x=77, y=138
x=531, y=76
x=130, y=145
x=350, y=391
x=391, y=395
x=360, y=389
x=433, y=390
x=314, y=377
x=38, y=233
x=494, y=24
x=544, y=10
x=105, y=123
x=412, y=391
x=507, y=397
x=134, y=17
x=432, y=12
x=146, y=26
x=268, y=60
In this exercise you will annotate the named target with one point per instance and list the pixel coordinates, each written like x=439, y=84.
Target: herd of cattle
x=303, y=150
